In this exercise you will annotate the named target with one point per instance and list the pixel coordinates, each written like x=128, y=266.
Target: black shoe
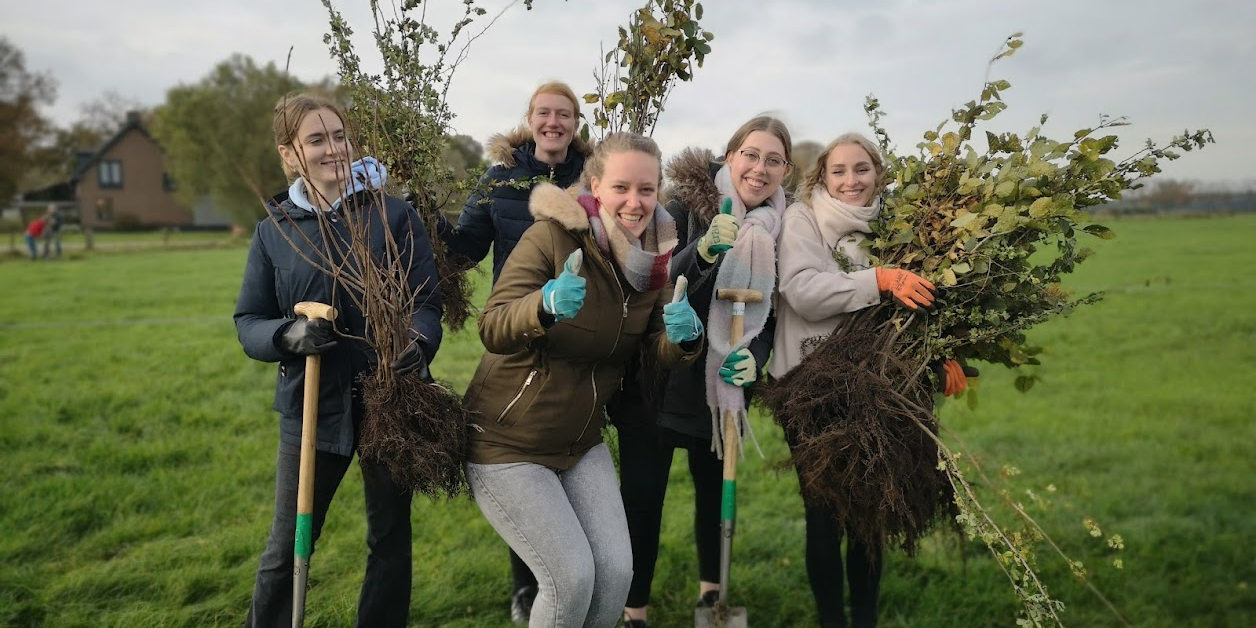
x=635, y=623
x=708, y=599
x=521, y=605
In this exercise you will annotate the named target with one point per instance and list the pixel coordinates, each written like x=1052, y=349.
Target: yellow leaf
x=948, y=278
x=1040, y=208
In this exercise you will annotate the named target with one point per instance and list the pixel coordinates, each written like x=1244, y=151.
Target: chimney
x=133, y=117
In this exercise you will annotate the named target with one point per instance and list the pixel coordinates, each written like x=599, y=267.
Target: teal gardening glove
x=739, y=368
x=721, y=235
x=563, y=297
x=681, y=321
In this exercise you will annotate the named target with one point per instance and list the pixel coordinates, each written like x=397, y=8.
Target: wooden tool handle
x=315, y=310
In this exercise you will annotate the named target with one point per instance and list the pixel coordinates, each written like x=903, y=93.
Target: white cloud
x=1166, y=65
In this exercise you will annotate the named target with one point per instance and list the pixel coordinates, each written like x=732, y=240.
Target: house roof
x=132, y=123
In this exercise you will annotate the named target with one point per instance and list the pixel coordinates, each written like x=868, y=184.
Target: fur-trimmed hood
x=691, y=180
x=552, y=202
x=502, y=146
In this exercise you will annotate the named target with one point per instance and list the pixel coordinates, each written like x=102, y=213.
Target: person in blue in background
x=281, y=272
x=545, y=149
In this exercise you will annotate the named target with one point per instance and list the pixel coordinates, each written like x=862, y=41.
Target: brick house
x=123, y=184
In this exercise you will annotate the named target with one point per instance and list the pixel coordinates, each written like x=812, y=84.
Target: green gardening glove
x=739, y=368
x=563, y=297
x=721, y=235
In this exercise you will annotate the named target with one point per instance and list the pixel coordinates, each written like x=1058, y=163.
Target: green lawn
x=138, y=445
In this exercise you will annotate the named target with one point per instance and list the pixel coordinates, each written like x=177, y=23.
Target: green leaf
x=591, y=98
x=1025, y=382
x=1100, y=232
x=961, y=268
x=948, y=277
x=1041, y=207
x=1006, y=189
x=964, y=220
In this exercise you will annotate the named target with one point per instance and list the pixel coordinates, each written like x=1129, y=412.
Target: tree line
x=215, y=133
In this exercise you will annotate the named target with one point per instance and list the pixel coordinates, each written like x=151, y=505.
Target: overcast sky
x=1166, y=65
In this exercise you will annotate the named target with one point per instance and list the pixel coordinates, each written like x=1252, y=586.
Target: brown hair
x=815, y=176
x=558, y=88
x=595, y=165
x=767, y=124
x=290, y=111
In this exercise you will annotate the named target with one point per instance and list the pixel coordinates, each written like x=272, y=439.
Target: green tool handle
x=304, y=545
x=728, y=502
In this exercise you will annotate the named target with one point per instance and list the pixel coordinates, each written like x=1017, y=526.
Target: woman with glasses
x=727, y=213
x=824, y=276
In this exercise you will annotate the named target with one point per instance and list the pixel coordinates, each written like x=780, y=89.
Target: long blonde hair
x=595, y=165
x=767, y=124
x=815, y=176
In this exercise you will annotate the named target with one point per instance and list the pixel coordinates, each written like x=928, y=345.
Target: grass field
x=138, y=445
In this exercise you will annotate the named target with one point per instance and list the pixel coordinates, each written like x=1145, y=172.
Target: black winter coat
x=694, y=202
x=497, y=212
x=276, y=278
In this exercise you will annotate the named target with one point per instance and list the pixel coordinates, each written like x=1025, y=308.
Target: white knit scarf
x=837, y=219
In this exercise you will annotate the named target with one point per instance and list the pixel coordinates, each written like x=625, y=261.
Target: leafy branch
x=662, y=44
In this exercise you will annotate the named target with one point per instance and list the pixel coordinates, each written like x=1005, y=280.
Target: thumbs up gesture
x=721, y=235
x=563, y=297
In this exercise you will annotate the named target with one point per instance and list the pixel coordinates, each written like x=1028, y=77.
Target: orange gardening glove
x=955, y=377
x=908, y=289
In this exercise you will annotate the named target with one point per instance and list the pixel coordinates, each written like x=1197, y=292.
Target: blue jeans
x=385, y=597
x=31, y=244
x=569, y=527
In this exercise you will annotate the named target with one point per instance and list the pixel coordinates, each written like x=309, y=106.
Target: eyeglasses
x=772, y=163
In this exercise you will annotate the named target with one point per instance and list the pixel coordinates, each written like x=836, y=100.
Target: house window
x=167, y=182
x=110, y=173
x=104, y=210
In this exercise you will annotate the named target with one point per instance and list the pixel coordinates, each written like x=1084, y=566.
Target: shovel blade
x=720, y=616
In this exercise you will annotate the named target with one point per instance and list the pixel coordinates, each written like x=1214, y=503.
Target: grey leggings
x=569, y=527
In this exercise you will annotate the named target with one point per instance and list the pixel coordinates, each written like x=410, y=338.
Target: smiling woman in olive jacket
x=585, y=289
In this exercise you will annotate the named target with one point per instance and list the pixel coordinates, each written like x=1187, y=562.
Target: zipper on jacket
x=593, y=375
x=527, y=382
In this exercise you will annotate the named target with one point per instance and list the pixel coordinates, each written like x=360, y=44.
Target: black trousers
x=385, y=597
x=824, y=568
x=645, y=462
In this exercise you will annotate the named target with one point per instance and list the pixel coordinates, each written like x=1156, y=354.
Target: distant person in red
x=35, y=231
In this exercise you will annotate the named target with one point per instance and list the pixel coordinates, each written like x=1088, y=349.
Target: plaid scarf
x=751, y=263
x=643, y=261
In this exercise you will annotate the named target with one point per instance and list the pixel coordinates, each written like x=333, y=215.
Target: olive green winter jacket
x=541, y=391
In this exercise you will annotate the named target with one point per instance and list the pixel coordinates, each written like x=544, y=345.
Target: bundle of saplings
x=412, y=425
x=995, y=228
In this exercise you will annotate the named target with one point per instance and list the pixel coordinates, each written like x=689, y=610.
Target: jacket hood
x=502, y=146
x=554, y=203
x=691, y=176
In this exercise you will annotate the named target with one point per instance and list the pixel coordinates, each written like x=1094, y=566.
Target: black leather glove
x=412, y=359
x=307, y=337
